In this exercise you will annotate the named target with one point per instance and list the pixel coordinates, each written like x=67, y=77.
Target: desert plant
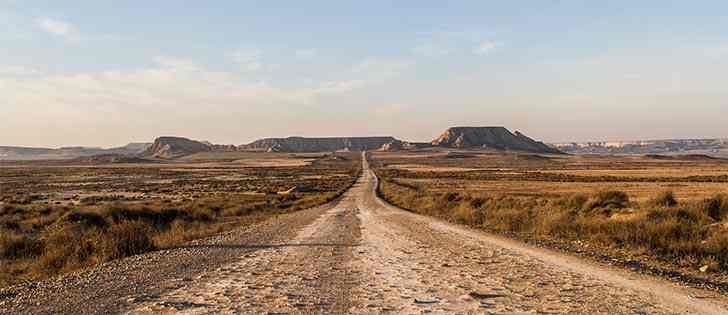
x=13, y=246
x=125, y=239
x=67, y=247
x=716, y=207
x=610, y=199
x=664, y=199
x=573, y=202
x=85, y=219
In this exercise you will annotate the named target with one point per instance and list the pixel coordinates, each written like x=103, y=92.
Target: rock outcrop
x=498, y=138
x=174, y=147
x=301, y=144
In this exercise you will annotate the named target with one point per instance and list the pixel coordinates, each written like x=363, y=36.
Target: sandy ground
x=363, y=256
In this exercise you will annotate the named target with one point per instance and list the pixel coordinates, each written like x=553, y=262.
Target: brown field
x=536, y=175
x=56, y=218
x=665, y=214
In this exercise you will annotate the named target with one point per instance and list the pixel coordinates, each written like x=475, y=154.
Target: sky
x=105, y=73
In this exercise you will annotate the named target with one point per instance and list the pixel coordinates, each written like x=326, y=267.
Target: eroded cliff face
x=174, y=147
x=498, y=138
x=301, y=144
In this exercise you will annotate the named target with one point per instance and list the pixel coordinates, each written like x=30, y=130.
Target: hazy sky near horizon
x=104, y=73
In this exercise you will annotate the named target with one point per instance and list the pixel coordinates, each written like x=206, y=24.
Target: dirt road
x=359, y=256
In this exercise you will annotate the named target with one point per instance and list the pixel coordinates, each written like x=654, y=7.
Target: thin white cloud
x=306, y=53
x=177, y=63
x=717, y=51
x=486, y=47
x=431, y=50
x=18, y=71
x=248, y=58
x=380, y=69
x=56, y=27
x=175, y=85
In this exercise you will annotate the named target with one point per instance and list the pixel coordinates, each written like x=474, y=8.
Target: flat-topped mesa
x=498, y=138
x=302, y=144
x=174, y=147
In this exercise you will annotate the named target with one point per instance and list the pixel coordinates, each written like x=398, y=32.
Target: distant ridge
x=302, y=144
x=498, y=138
x=24, y=153
x=173, y=147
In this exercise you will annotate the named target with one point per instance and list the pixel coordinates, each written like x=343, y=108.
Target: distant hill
x=23, y=153
x=170, y=147
x=302, y=144
x=498, y=138
x=713, y=147
x=174, y=147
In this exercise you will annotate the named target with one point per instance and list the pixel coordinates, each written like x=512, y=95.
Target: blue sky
x=104, y=73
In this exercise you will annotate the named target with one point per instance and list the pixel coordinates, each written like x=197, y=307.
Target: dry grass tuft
x=665, y=199
x=716, y=207
x=610, y=199
x=126, y=239
x=13, y=246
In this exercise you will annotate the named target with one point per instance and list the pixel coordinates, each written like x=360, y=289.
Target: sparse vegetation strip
x=666, y=234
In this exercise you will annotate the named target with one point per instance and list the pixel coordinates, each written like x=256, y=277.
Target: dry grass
x=39, y=238
x=670, y=233
x=633, y=206
x=653, y=172
x=638, y=191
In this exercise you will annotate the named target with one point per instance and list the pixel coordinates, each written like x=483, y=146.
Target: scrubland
x=56, y=218
x=664, y=216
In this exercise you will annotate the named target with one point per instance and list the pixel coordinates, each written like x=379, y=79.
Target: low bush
x=607, y=200
x=716, y=207
x=573, y=202
x=67, y=248
x=13, y=246
x=664, y=199
x=85, y=219
x=126, y=239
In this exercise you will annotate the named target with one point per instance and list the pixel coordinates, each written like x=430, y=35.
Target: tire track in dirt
x=309, y=274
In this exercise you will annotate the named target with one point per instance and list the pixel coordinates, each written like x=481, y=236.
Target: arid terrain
x=357, y=254
x=662, y=215
x=64, y=215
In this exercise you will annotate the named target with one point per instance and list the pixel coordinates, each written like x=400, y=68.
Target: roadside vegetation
x=41, y=238
x=661, y=229
x=692, y=234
